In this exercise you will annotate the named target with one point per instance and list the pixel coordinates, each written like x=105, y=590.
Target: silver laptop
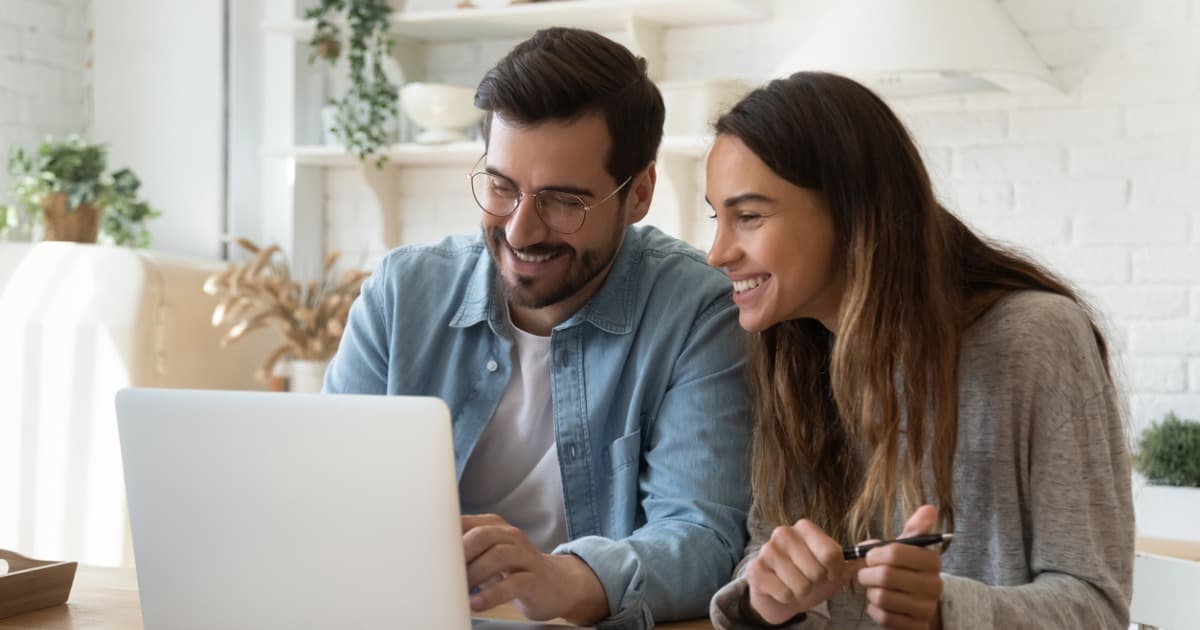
x=272, y=511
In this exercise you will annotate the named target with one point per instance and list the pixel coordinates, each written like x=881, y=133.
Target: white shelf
x=454, y=154
x=523, y=19
x=457, y=153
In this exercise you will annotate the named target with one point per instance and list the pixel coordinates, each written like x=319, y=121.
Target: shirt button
x=492, y=366
x=571, y=451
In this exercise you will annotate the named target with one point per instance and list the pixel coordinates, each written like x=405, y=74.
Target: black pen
x=852, y=553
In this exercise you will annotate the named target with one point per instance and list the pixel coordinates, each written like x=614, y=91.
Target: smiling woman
x=907, y=376
x=774, y=239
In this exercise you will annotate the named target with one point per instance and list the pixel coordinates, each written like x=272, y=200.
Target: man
x=593, y=369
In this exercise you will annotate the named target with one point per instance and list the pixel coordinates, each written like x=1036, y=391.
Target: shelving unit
x=522, y=19
x=294, y=191
x=456, y=154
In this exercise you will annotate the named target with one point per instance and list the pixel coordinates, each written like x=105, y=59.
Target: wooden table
x=107, y=599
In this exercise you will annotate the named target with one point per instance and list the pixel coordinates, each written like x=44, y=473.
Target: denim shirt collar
x=611, y=309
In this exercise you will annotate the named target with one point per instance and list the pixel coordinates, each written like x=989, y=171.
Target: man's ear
x=641, y=193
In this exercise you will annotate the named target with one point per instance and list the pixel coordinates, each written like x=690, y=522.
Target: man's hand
x=903, y=582
x=797, y=569
x=506, y=567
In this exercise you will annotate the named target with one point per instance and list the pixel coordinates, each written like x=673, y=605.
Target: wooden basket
x=81, y=225
x=33, y=584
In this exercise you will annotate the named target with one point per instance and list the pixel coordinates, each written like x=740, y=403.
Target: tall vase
x=306, y=376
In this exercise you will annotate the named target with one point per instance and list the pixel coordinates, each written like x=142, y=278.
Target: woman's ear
x=641, y=193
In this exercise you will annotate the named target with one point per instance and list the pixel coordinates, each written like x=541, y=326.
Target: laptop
x=271, y=511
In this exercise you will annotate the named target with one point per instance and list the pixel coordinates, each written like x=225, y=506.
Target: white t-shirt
x=513, y=471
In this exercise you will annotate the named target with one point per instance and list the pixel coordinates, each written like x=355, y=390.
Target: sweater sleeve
x=1075, y=491
x=726, y=608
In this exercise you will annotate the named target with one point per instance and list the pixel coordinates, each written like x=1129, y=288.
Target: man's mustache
x=497, y=235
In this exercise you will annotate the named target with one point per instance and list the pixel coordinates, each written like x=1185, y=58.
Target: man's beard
x=583, y=268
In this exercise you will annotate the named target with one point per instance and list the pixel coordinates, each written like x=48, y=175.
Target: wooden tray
x=33, y=584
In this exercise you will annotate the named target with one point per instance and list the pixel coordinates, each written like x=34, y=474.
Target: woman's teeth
x=741, y=286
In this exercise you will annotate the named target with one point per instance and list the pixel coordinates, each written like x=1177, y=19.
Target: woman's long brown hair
x=845, y=425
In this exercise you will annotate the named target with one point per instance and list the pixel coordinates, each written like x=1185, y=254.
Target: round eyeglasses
x=562, y=212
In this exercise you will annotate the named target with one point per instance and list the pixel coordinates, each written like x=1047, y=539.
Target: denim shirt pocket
x=625, y=451
x=625, y=454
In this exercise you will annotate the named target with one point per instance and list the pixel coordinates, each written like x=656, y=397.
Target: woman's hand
x=903, y=583
x=797, y=569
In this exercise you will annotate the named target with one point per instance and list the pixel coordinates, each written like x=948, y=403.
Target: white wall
x=246, y=115
x=1102, y=182
x=159, y=103
x=44, y=75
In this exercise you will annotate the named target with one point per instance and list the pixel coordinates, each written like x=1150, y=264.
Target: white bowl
x=444, y=112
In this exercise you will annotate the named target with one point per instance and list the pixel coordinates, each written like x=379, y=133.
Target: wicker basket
x=81, y=225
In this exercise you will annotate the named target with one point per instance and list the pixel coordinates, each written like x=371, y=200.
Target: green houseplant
x=1168, y=456
x=1168, y=453
x=367, y=113
x=64, y=183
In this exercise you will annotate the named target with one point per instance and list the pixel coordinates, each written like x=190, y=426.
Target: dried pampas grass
x=261, y=293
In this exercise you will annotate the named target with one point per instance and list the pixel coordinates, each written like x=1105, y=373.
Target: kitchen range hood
x=904, y=48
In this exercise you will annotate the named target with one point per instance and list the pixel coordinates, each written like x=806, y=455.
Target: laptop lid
x=265, y=510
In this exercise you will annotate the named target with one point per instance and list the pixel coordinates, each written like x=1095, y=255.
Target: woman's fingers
x=906, y=557
x=763, y=580
x=918, y=606
x=921, y=521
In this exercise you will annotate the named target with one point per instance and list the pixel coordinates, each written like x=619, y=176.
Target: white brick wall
x=44, y=82
x=1101, y=182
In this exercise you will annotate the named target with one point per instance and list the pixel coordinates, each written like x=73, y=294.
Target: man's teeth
x=531, y=258
x=750, y=283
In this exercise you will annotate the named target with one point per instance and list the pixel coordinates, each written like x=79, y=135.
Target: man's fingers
x=471, y=521
x=511, y=587
x=497, y=561
x=481, y=538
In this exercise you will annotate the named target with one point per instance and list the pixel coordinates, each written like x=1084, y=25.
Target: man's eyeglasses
x=561, y=211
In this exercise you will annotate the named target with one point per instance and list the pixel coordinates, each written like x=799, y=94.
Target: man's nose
x=525, y=226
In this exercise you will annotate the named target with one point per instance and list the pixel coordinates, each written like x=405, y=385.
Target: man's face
x=541, y=268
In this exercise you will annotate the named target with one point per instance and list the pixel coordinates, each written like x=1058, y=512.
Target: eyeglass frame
x=537, y=197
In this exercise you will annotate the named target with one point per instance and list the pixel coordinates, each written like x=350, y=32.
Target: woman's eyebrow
x=745, y=197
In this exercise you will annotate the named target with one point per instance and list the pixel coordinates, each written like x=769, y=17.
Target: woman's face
x=774, y=240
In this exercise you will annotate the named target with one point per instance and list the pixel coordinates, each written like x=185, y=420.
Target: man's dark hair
x=565, y=73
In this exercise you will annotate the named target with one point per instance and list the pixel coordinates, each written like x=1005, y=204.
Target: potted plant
x=65, y=184
x=1168, y=456
x=367, y=113
x=311, y=316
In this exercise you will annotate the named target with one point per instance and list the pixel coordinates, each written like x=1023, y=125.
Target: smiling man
x=594, y=368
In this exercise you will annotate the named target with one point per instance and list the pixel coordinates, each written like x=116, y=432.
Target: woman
x=909, y=378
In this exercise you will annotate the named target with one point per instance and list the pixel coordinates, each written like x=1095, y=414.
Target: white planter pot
x=306, y=377
x=1167, y=511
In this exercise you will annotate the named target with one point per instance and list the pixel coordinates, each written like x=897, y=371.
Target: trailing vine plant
x=366, y=114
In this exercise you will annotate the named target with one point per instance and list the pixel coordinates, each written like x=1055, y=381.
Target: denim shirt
x=651, y=411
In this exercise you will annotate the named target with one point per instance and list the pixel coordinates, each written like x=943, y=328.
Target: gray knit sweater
x=1044, y=518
